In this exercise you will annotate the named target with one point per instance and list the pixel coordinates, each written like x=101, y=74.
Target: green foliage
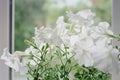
x=64, y=69
x=91, y=73
x=44, y=70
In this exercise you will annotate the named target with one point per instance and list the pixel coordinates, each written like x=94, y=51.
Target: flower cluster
x=90, y=44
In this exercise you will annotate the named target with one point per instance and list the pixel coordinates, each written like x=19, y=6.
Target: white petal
x=73, y=40
x=13, y=63
x=84, y=17
x=6, y=55
x=23, y=69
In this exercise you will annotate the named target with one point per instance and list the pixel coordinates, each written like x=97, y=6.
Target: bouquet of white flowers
x=73, y=50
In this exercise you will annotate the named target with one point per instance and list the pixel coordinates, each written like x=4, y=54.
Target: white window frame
x=116, y=16
x=6, y=36
x=6, y=33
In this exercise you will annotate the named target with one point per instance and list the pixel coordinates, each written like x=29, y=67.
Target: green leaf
x=62, y=67
x=69, y=61
x=29, y=43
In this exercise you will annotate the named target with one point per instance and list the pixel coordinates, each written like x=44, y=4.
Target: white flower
x=60, y=27
x=53, y=36
x=83, y=34
x=42, y=35
x=104, y=56
x=102, y=31
x=22, y=69
x=61, y=30
x=73, y=40
x=23, y=60
x=16, y=60
x=46, y=35
x=103, y=28
x=6, y=55
x=84, y=18
x=32, y=50
x=25, y=57
x=10, y=60
x=82, y=53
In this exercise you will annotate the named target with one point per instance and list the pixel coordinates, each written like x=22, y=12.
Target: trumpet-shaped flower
x=83, y=18
x=104, y=56
x=55, y=36
x=82, y=53
x=102, y=31
x=15, y=61
x=10, y=60
x=42, y=35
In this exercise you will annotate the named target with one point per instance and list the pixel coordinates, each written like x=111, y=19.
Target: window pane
x=32, y=13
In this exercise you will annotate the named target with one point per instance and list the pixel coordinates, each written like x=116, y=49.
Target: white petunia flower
x=10, y=60
x=104, y=56
x=102, y=31
x=82, y=53
x=61, y=30
x=83, y=34
x=84, y=18
x=73, y=40
x=103, y=28
x=42, y=35
x=6, y=55
x=16, y=61
x=23, y=69
x=53, y=36
x=32, y=50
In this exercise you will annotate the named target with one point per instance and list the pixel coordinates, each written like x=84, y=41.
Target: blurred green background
x=32, y=13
